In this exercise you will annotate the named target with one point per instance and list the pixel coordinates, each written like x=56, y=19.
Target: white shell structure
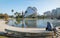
x=31, y=11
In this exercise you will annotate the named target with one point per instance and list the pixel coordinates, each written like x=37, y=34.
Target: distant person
x=49, y=27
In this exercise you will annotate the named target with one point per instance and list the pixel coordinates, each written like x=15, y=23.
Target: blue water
x=38, y=23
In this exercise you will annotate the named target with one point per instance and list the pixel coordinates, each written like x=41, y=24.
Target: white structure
x=31, y=11
x=48, y=13
x=56, y=12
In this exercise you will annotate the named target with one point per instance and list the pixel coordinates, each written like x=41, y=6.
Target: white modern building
x=48, y=13
x=56, y=12
x=31, y=11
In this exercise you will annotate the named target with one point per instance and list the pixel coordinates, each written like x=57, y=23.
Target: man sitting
x=49, y=27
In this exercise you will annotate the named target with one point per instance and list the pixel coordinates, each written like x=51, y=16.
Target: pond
x=33, y=23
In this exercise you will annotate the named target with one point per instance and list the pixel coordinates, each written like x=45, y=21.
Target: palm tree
x=17, y=16
x=16, y=13
x=25, y=12
x=12, y=10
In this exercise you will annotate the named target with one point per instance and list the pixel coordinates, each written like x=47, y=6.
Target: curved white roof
x=30, y=11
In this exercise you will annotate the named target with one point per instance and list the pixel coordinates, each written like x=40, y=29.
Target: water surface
x=33, y=23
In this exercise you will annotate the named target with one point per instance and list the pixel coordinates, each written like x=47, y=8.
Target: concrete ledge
x=34, y=34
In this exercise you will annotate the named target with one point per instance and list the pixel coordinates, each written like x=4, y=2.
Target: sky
x=21, y=5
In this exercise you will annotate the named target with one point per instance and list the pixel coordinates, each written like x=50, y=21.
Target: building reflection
x=31, y=23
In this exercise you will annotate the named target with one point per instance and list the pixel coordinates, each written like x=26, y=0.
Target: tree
x=16, y=13
x=6, y=16
x=17, y=16
x=25, y=12
x=12, y=10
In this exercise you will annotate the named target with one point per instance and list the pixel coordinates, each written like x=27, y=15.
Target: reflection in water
x=23, y=23
x=31, y=23
x=17, y=20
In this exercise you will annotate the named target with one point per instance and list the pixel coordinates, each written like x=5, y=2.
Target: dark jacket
x=49, y=27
